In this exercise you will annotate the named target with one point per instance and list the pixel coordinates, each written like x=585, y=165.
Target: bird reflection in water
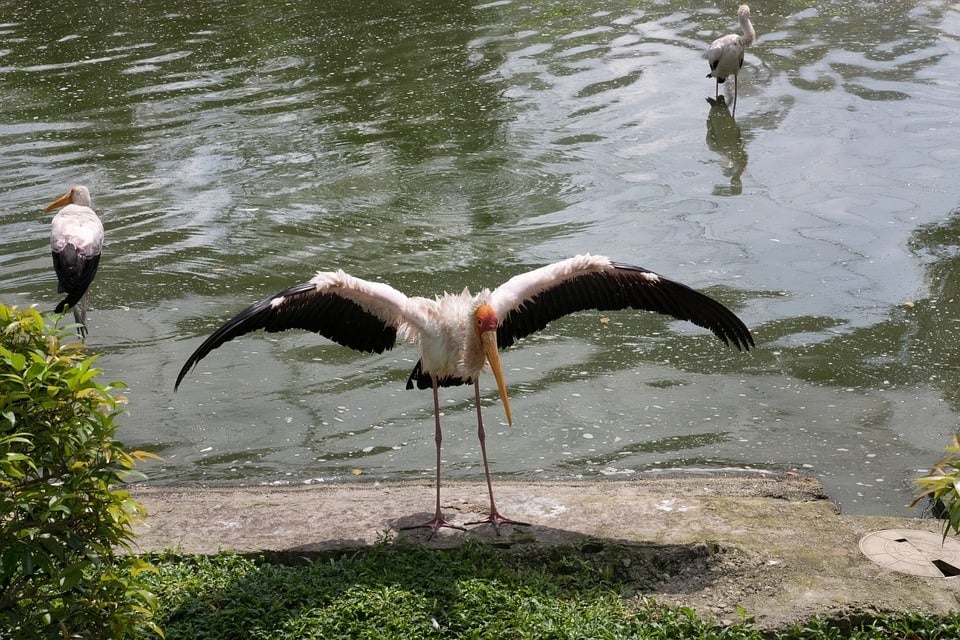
x=724, y=139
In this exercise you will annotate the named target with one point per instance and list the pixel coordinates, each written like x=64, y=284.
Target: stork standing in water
x=725, y=54
x=76, y=238
x=459, y=334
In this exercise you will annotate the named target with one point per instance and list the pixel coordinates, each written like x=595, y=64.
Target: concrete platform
x=774, y=546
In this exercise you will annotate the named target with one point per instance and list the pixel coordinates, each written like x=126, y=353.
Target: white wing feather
x=520, y=288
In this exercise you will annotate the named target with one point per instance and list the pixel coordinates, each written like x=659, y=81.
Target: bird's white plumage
x=449, y=346
x=724, y=55
x=77, y=224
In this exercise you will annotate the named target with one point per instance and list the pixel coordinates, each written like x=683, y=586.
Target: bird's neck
x=749, y=35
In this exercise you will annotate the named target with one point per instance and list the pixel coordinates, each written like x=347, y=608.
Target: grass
x=476, y=591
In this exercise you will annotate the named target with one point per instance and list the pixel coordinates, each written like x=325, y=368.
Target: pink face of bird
x=62, y=201
x=486, y=323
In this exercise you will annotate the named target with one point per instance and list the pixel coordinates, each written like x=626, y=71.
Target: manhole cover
x=920, y=553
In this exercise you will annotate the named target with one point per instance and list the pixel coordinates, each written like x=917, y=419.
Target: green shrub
x=940, y=487
x=65, y=520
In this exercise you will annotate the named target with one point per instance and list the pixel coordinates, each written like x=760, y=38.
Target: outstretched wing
x=528, y=302
x=356, y=313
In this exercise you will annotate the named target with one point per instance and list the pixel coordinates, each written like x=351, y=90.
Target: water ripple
x=438, y=145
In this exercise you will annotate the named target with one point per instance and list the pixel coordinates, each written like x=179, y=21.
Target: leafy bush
x=942, y=488
x=64, y=518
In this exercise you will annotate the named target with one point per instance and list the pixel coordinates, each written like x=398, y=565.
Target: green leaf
x=17, y=361
x=71, y=576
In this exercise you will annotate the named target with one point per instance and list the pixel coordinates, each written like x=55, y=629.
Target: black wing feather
x=625, y=286
x=303, y=307
x=75, y=273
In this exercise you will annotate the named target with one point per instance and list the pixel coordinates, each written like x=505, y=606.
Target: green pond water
x=232, y=149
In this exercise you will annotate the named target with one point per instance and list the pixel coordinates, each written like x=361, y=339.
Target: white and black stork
x=725, y=54
x=459, y=334
x=76, y=239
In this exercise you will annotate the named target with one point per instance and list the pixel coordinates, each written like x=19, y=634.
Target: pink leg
x=438, y=520
x=734, y=95
x=494, y=518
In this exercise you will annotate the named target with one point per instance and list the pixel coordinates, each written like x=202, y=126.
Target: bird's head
x=485, y=324
x=78, y=194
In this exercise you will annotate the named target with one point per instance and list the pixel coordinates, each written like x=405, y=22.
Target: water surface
x=234, y=150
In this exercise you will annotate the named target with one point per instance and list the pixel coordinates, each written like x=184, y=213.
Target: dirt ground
x=773, y=547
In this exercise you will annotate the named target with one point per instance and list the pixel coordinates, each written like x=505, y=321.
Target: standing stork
x=76, y=238
x=459, y=334
x=725, y=54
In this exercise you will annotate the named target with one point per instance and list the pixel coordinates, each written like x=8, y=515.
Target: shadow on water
x=929, y=325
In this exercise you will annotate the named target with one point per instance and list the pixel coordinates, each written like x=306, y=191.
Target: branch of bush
x=66, y=521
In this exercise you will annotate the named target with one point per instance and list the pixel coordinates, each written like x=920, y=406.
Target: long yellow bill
x=62, y=201
x=489, y=341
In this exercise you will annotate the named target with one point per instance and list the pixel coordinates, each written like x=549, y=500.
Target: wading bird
x=76, y=238
x=459, y=334
x=725, y=54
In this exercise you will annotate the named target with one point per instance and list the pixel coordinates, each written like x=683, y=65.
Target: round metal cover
x=920, y=553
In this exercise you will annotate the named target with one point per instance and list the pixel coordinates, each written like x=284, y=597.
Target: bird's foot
x=496, y=520
x=434, y=524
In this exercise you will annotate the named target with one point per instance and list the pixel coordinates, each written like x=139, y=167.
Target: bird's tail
x=75, y=272
x=71, y=300
x=425, y=381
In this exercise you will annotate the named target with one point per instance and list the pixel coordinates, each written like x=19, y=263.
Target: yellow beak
x=62, y=201
x=489, y=341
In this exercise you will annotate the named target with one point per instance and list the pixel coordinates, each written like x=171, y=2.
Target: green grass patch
x=402, y=591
